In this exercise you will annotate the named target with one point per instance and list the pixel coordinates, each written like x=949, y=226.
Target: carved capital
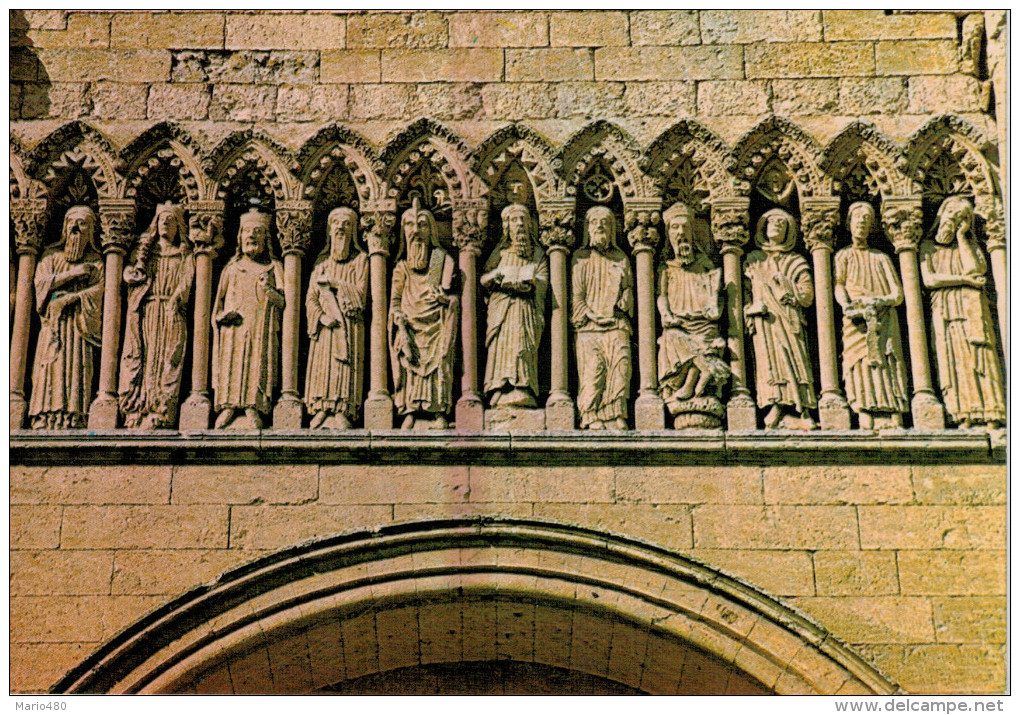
x=902, y=219
x=641, y=222
x=995, y=230
x=556, y=224
x=819, y=219
x=730, y=219
x=117, y=217
x=470, y=221
x=294, y=226
x=29, y=219
x=205, y=226
x=377, y=230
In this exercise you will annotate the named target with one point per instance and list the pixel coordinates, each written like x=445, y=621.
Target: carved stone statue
x=953, y=268
x=335, y=306
x=423, y=323
x=691, y=369
x=777, y=288
x=69, y=298
x=516, y=277
x=602, y=304
x=868, y=290
x=159, y=278
x=246, y=323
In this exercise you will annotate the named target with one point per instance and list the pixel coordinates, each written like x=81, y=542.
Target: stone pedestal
x=741, y=413
x=649, y=412
x=288, y=413
x=834, y=412
x=379, y=412
x=469, y=414
x=560, y=415
x=196, y=412
x=515, y=419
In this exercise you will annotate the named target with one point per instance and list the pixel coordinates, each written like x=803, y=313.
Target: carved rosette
x=556, y=224
x=819, y=219
x=29, y=219
x=377, y=221
x=902, y=220
x=641, y=222
x=730, y=219
x=205, y=226
x=117, y=217
x=294, y=226
x=470, y=221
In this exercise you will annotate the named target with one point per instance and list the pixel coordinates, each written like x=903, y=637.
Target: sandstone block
x=60, y=573
x=115, y=65
x=197, y=30
x=70, y=619
x=44, y=19
x=369, y=102
x=215, y=681
x=667, y=525
x=216, y=67
x=61, y=100
x=877, y=25
x=837, y=485
x=273, y=527
x=970, y=619
x=179, y=101
x=873, y=619
x=728, y=97
x=856, y=573
x=948, y=93
x=809, y=59
x=351, y=66
x=15, y=101
x=525, y=100
x=916, y=57
x=932, y=527
x=252, y=673
x=35, y=527
x=537, y=484
x=952, y=573
x=242, y=103
x=84, y=29
x=286, y=67
x=664, y=27
x=326, y=653
x=393, y=29
x=960, y=484
x=689, y=485
x=393, y=484
x=162, y=572
x=665, y=63
x=305, y=103
x=961, y=668
x=587, y=28
x=261, y=484
x=554, y=64
x=90, y=485
x=144, y=527
x=727, y=26
x=35, y=667
x=665, y=99
x=291, y=668
x=588, y=99
x=116, y=101
x=397, y=633
x=361, y=647
x=266, y=31
x=408, y=512
x=25, y=65
x=872, y=95
x=499, y=29
x=458, y=101
x=775, y=527
x=455, y=65
x=804, y=96
x=781, y=573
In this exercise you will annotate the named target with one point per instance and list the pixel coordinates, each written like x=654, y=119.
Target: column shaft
x=288, y=412
x=832, y=405
x=24, y=301
x=197, y=409
x=469, y=407
x=559, y=323
x=925, y=408
x=741, y=413
x=997, y=257
x=104, y=411
x=649, y=411
x=379, y=376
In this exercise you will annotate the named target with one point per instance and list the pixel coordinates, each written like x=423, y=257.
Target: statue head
x=600, y=229
x=955, y=219
x=419, y=228
x=168, y=222
x=860, y=219
x=253, y=234
x=680, y=228
x=341, y=225
x=79, y=229
x=776, y=231
x=518, y=229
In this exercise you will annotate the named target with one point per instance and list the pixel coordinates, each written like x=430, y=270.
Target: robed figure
x=423, y=323
x=777, y=288
x=159, y=277
x=602, y=304
x=335, y=307
x=954, y=268
x=515, y=277
x=246, y=328
x=867, y=288
x=69, y=299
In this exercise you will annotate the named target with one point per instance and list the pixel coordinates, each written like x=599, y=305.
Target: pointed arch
x=862, y=144
x=242, y=152
x=604, y=141
x=518, y=142
x=336, y=144
x=693, y=153
x=77, y=144
x=426, y=142
x=166, y=142
x=778, y=137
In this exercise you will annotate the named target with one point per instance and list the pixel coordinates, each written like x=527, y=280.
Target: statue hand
x=978, y=281
x=328, y=321
x=604, y=322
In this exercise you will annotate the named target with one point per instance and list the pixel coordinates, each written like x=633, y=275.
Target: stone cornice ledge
x=554, y=448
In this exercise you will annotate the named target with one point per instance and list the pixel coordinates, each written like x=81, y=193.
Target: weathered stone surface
x=970, y=620
x=777, y=527
x=179, y=101
x=667, y=525
x=877, y=25
x=267, y=31
x=281, y=67
x=196, y=30
x=860, y=573
x=549, y=65
x=837, y=485
x=459, y=101
x=393, y=485
x=60, y=573
x=144, y=527
x=216, y=67
x=664, y=27
x=588, y=99
x=351, y=66
x=391, y=29
x=45, y=19
x=726, y=26
x=115, y=65
x=38, y=666
x=35, y=527
x=165, y=572
x=270, y=484
x=84, y=29
x=960, y=484
x=70, y=619
x=90, y=485
x=916, y=57
x=961, y=668
x=454, y=65
x=952, y=573
x=587, y=29
x=873, y=619
x=689, y=485
x=809, y=59
x=872, y=95
x=379, y=101
x=662, y=63
x=729, y=97
x=273, y=527
x=408, y=512
x=540, y=484
x=499, y=29
x=531, y=100
x=947, y=93
x=114, y=100
x=312, y=103
x=667, y=99
x=242, y=103
x=781, y=573
x=932, y=527
x=804, y=96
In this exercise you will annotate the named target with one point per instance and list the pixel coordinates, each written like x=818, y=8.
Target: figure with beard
x=869, y=291
x=953, y=268
x=602, y=306
x=246, y=328
x=423, y=323
x=335, y=306
x=516, y=277
x=691, y=369
x=159, y=280
x=777, y=288
x=69, y=298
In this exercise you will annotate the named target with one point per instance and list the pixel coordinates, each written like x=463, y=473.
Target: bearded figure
x=247, y=316
x=69, y=299
x=516, y=277
x=777, y=289
x=691, y=369
x=868, y=290
x=423, y=323
x=335, y=307
x=159, y=279
x=954, y=268
x=602, y=305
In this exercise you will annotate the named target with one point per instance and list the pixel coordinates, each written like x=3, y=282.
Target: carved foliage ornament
x=117, y=217
x=294, y=226
x=29, y=218
x=903, y=224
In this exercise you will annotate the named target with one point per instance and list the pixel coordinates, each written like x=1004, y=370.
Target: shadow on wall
x=30, y=83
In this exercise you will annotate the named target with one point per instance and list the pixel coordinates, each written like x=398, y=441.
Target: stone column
x=294, y=228
x=641, y=223
x=470, y=219
x=377, y=222
x=901, y=217
x=556, y=228
x=819, y=218
x=730, y=219
x=996, y=233
x=206, y=235
x=29, y=219
x=117, y=217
